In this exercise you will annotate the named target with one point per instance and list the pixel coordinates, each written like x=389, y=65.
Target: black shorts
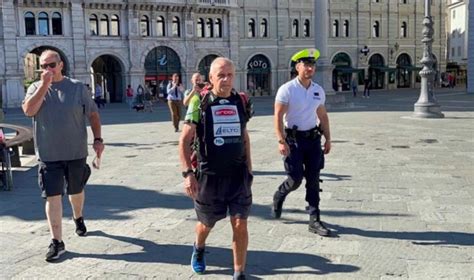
x=57, y=176
x=219, y=194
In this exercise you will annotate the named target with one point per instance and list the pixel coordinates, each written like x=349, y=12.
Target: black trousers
x=304, y=161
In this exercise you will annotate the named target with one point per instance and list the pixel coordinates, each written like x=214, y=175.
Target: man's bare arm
x=32, y=104
x=247, y=150
x=94, y=120
x=184, y=148
x=324, y=125
x=280, y=111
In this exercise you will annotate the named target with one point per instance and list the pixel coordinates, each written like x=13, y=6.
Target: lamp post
x=365, y=50
x=426, y=106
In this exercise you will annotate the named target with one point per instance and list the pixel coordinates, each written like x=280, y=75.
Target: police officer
x=300, y=121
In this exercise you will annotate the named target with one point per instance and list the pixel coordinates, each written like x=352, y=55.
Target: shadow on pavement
x=417, y=237
x=324, y=176
x=113, y=202
x=260, y=262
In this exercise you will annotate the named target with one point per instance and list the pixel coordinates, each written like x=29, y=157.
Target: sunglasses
x=50, y=65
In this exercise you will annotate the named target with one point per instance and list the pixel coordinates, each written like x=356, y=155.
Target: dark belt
x=311, y=134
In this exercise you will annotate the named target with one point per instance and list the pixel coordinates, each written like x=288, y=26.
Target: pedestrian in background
x=60, y=108
x=98, y=96
x=354, y=85
x=197, y=85
x=129, y=95
x=175, y=96
x=367, y=85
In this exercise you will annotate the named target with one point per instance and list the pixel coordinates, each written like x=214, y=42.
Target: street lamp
x=426, y=106
x=365, y=50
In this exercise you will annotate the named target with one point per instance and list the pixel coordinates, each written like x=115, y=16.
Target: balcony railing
x=217, y=2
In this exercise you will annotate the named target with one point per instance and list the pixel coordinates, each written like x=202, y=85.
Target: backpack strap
x=204, y=99
x=247, y=104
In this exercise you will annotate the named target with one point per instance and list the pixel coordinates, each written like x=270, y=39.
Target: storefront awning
x=410, y=67
x=383, y=68
x=348, y=69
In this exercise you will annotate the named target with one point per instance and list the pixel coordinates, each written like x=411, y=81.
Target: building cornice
x=43, y=4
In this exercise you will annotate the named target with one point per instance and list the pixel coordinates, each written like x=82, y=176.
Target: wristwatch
x=187, y=173
x=99, y=139
x=281, y=141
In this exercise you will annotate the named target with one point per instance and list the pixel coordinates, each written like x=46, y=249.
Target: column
x=2, y=65
x=324, y=68
x=78, y=66
x=234, y=47
x=14, y=92
x=136, y=72
x=470, y=54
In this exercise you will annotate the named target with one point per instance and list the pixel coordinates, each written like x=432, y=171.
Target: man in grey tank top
x=60, y=108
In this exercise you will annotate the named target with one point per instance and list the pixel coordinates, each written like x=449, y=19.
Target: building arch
x=204, y=65
x=37, y=48
x=377, y=71
x=123, y=62
x=108, y=71
x=404, y=70
x=342, y=73
x=259, y=73
x=149, y=48
x=160, y=63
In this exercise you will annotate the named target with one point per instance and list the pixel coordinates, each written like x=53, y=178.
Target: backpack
x=204, y=99
x=244, y=98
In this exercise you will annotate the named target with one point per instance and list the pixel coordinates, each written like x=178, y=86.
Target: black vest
x=220, y=136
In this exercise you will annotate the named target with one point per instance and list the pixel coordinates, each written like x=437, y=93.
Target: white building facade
x=457, y=38
x=115, y=42
x=470, y=78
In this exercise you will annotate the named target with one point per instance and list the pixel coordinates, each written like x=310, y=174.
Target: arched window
x=210, y=27
x=175, y=28
x=205, y=65
x=251, y=31
x=200, y=28
x=218, y=28
x=115, y=28
x=160, y=26
x=104, y=25
x=376, y=29
x=144, y=26
x=295, y=30
x=346, y=28
x=306, y=28
x=264, y=28
x=30, y=25
x=94, y=25
x=403, y=30
x=57, y=24
x=335, y=28
x=43, y=24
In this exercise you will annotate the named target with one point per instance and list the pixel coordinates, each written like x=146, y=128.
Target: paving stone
x=396, y=212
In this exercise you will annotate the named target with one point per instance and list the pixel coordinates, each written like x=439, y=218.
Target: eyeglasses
x=309, y=64
x=51, y=65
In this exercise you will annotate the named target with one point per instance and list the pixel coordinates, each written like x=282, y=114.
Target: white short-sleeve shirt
x=302, y=103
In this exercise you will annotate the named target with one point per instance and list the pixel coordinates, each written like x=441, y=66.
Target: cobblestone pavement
x=398, y=193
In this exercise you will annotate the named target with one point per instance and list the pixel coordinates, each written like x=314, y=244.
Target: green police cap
x=306, y=55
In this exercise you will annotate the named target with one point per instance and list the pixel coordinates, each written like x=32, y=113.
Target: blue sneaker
x=198, y=262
